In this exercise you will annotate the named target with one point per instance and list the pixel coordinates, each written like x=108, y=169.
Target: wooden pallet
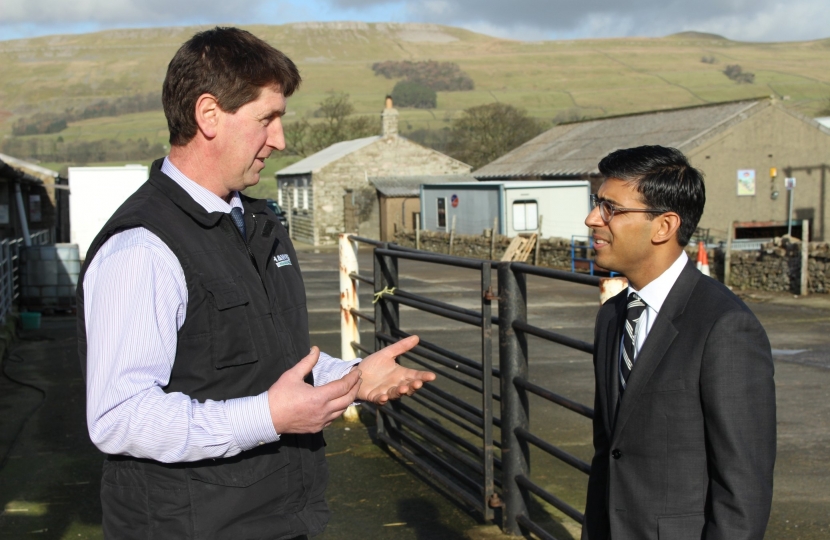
x=520, y=248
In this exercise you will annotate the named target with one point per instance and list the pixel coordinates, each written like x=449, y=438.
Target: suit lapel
x=659, y=340
x=612, y=354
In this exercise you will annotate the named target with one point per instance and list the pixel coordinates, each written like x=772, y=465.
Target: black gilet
x=246, y=323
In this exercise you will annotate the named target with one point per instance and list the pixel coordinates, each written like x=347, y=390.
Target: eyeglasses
x=607, y=210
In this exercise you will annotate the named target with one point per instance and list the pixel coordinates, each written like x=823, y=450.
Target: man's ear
x=665, y=227
x=207, y=115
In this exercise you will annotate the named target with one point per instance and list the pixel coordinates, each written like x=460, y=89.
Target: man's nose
x=276, y=136
x=594, y=220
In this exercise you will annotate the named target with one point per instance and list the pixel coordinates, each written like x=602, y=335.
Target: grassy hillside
x=553, y=80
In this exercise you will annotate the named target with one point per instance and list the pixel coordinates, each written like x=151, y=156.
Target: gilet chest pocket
x=232, y=343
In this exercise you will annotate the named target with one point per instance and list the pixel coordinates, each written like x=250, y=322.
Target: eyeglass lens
x=606, y=209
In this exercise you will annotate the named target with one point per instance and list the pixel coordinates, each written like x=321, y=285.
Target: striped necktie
x=633, y=315
x=239, y=221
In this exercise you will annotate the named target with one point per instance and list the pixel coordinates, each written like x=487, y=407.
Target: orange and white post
x=349, y=329
x=702, y=259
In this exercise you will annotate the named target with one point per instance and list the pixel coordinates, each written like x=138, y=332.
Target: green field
x=553, y=80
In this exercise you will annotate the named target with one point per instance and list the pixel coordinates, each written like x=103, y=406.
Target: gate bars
x=465, y=465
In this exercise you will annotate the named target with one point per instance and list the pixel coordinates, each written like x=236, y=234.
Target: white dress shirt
x=135, y=299
x=654, y=294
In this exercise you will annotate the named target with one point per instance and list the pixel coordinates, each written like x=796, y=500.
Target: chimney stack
x=389, y=119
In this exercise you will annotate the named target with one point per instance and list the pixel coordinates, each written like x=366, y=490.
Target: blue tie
x=239, y=221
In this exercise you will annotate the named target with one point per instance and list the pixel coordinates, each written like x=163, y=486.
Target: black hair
x=665, y=180
x=231, y=64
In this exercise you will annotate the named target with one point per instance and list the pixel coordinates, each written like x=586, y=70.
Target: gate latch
x=495, y=501
x=488, y=294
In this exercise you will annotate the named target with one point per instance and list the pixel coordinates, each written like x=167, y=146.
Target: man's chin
x=251, y=182
x=604, y=262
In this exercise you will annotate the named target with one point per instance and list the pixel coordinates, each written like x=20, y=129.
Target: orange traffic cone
x=702, y=259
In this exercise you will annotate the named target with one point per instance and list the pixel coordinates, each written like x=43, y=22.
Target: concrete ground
x=49, y=473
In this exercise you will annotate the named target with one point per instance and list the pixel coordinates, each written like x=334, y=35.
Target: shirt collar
x=655, y=293
x=208, y=200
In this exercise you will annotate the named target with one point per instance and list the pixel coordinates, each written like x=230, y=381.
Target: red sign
x=454, y=201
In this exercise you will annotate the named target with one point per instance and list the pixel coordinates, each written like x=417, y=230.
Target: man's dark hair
x=230, y=64
x=665, y=180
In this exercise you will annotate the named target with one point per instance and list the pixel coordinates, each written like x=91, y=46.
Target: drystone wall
x=553, y=252
x=775, y=267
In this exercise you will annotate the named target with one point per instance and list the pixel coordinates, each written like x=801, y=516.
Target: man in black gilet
x=193, y=327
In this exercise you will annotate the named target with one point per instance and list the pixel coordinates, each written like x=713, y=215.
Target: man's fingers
x=400, y=347
x=338, y=405
x=304, y=366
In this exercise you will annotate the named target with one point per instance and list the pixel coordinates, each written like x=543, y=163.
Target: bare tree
x=335, y=125
x=487, y=132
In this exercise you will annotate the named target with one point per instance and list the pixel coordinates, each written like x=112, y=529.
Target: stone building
x=746, y=149
x=329, y=192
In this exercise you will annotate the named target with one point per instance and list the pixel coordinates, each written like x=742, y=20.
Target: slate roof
x=573, y=150
x=410, y=186
x=315, y=162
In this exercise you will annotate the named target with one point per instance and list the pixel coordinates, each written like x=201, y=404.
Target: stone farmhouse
x=329, y=192
x=746, y=150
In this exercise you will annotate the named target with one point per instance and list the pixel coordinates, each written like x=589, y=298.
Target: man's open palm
x=384, y=379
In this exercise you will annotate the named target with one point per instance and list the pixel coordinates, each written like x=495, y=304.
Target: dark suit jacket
x=688, y=451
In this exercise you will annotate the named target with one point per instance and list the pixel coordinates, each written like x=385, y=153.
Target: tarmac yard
x=49, y=473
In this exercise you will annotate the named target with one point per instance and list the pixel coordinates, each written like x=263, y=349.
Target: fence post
x=538, y=242
x=452, y=235
x=349, y=324
x=805, y=257
x=418, y=230
x=493, y=238
x=727, y=257
x=514, y=404
x=490, y=498
x=349, y=327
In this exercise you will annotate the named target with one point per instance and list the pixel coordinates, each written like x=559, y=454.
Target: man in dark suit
x=684, y=417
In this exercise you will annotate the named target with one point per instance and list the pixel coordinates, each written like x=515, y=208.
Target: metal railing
x=469, y=461
x=10, y=268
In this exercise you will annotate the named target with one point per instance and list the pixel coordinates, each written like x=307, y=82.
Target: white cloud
x=762, y=20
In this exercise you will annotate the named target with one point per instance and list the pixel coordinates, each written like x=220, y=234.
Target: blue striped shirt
x=135, y=298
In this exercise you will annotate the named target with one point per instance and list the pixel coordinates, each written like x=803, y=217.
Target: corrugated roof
x=317, y=161
x=410, y=186
x=31, y=167
x=575, y=149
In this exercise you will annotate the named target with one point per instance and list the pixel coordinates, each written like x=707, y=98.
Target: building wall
x=769, y=138
x=297, y=199
x=389, y=156
x=391, y=222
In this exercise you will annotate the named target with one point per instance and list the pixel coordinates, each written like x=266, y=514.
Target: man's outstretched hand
x=384, y=379
x=298, y=407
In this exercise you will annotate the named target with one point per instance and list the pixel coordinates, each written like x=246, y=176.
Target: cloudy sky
x=749, y=20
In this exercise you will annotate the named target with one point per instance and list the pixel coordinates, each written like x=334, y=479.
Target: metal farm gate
x=485, y=471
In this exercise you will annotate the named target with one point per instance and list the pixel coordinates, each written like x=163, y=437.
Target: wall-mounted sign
x=34, y=208
x=746, y=182
x=454, y=200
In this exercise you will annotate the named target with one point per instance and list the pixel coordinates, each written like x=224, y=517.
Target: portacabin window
x=442, y=212
x=525, y=215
